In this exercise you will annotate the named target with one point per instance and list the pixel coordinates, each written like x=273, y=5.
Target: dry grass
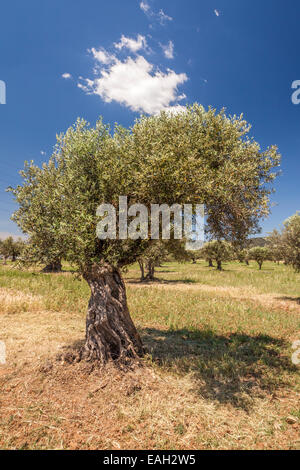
x=13, y=301
x=270, y=300
x=218, y=373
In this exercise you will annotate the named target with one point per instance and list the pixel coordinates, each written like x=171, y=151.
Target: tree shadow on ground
x=231, y=369
x=160, y=281
x=160, y=270
x=290, y=299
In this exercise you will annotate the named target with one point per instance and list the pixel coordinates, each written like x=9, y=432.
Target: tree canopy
x=259, y=254
x=218, y=251
x=285, y=244
x=196, y=156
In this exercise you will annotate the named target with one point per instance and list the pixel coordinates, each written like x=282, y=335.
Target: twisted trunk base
x=110, y=332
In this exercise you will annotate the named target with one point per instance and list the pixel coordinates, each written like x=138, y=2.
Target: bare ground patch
x=193, y=392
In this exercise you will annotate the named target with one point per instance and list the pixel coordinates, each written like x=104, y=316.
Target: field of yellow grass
x=217, y=374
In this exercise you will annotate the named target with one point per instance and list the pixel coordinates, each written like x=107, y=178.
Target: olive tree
x=259, y=254
x=193, y=157
x=6, y=248
x=217, y=250
x=38, y=215
x=155, y=253
x=275, y=243
x=291, y=241
x=158, y=251
x=10, y=248
x=241, y=255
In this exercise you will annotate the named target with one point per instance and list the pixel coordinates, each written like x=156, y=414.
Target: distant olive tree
x=242, y=255
x=10, y=248
x=285, y=244
x=275, y=243
x=259, y=254
x=291, y=236
x=218, y=251
x=152, y=257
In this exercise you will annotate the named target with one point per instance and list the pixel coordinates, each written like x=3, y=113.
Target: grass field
x=218, y=373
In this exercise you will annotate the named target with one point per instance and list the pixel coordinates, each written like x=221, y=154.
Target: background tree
x=291, y=241
x=159, y=251
x=193, y=255
x=38, y=215
x=155, y=253
x=6, y=247
x=259, y=254
x=218, y=251
x=204, y=254
x=276, y=246
x=241, y=255
x=193, y=157
x=18, y=248
x=10, y=248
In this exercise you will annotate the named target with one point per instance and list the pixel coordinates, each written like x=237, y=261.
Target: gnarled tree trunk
x=110, y=332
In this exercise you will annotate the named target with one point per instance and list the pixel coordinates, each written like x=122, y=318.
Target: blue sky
x=61, y=59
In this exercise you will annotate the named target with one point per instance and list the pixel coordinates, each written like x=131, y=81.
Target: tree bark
x=110, y=332
x=151, y=270
x=141, y=265
x=219, y=265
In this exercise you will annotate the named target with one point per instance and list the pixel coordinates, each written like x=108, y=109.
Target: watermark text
x=2, y=92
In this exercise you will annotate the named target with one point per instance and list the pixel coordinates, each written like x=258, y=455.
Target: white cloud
x=134, y=83
x=168, y=50
x=133, y=45
x=163, y=18
x=216, y=12
x=145, y=6
x=66, y=76
x=43, y=153
x=102, y=56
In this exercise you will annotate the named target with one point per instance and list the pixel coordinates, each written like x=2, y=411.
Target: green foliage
x=218, y=251
x=241, y=255
x=157, y=252
x=193, y=157
x=291, y=241
x=285, y=244
x=259, y=254
x=10, y=248
x=276, y=246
